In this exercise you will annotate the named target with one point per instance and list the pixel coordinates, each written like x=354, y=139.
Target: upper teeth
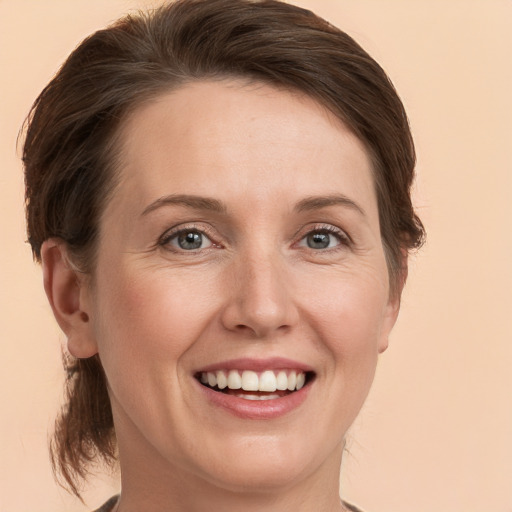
x=252, y=381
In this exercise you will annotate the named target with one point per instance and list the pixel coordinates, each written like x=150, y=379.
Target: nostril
x=260, y=304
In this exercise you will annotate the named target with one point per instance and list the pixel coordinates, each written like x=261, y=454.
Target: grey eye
x=190, y=240
x=321, y=239
x=318, y=240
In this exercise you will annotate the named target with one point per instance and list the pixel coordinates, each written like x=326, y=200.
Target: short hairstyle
x=70, y=150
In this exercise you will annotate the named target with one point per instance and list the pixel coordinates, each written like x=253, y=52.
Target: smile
x=265, y=385
x=256, y=389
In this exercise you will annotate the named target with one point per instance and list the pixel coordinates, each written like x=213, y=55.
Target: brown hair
x=70, y=145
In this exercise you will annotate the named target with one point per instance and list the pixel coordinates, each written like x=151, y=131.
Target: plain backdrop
x=436, y=432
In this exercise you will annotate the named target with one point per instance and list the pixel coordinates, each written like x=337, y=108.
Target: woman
x=219, y=194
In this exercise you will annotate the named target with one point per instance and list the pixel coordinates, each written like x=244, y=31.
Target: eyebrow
x=211, y=204
x=190, y=201
x=317, y=202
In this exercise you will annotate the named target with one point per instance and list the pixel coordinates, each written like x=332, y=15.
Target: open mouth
x=251, y=385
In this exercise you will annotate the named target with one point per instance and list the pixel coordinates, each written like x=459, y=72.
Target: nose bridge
x=260, y=301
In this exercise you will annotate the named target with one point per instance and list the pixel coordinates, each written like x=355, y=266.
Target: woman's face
x=243, y=237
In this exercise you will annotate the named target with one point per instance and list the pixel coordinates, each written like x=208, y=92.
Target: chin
x=266, y=467
x=263, y=479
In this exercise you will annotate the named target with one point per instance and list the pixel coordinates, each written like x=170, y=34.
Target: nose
x=260, y=299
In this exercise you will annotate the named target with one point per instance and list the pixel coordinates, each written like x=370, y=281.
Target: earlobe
x=393, y=305
x=64, y=287
x=391, y=315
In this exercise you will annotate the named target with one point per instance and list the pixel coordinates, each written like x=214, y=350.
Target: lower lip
x=256, y=409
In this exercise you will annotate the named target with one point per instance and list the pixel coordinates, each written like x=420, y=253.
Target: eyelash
x=343, y=239
x=165, y=241
x=168, y=236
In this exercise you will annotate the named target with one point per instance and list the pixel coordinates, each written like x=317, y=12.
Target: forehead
x=216, y=138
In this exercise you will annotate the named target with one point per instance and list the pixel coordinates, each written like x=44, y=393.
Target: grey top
x=109, y=505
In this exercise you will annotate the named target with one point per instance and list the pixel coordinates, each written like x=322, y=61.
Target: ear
x=392, y=307
x=67, y=292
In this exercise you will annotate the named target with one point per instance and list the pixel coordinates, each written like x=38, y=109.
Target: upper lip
x=257, y=365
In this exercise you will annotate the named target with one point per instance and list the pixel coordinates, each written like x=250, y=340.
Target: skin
x=157, y=313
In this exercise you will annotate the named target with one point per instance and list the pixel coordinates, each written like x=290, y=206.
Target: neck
x=150, y=484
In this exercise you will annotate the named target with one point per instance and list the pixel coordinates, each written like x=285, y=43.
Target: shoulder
x=109, y=505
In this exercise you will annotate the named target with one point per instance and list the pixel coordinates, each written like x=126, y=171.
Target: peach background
x=436, y=433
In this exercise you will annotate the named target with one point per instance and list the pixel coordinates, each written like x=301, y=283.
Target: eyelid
x=343, y=237
x=176, y=230
x=341, y=234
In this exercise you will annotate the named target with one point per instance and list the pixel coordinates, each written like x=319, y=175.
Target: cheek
x=146, y=322
x=145, y=325
x=346, y=315
x=347, y=311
